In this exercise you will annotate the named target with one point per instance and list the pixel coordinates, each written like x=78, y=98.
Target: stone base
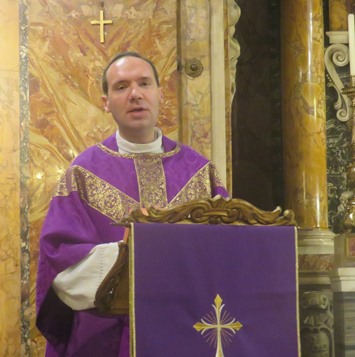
x=342, y=352
x=315, y=258
x=343, y=286
x=344, y=250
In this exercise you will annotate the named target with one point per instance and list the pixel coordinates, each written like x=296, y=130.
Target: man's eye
x=120, y=87
x=145, y=84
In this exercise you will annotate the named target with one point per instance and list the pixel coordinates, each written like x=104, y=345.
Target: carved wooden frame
x=217, y=210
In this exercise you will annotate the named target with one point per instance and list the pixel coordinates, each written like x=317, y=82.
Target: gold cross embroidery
x=102, y=22
x=219, y=327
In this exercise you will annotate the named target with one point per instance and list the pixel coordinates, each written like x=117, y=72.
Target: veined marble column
x=304, y=134
x=305, y=171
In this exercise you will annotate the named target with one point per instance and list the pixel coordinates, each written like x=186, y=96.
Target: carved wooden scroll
x=218, y=210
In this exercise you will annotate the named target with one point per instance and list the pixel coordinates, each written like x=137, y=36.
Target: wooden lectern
x=213, y=278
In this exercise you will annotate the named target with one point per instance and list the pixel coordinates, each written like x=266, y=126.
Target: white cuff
x=77, y=285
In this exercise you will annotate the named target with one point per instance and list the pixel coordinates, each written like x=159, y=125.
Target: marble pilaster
x=205, y=46
x=10, y=240
x=195, y=90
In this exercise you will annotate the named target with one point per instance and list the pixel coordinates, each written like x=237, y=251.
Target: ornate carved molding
x=317, y=322
x=338, y=54
x=218, y=210
x=233, y=44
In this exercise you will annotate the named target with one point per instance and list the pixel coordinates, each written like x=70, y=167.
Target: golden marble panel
x=315, y=262
x=338, y=15
x=10, y=272
x=303, y=104
x=195, y=93
x=66, y=60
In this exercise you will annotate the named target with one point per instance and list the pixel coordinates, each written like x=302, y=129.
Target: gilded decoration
x=96, y=192
x=151, y=181
x=199, y=186
x=217, y=210
x=115, y=204
x=217, y=181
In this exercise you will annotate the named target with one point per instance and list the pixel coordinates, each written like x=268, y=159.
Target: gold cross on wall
x=102, y=22
x=219, y=327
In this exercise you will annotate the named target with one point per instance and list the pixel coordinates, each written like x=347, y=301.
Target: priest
x=136, y=167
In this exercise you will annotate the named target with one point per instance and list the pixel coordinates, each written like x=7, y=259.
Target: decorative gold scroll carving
x=217, y=210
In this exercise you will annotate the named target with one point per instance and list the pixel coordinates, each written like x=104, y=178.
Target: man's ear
x=105, y=103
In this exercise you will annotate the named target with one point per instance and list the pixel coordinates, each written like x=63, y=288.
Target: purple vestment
x=98, y=189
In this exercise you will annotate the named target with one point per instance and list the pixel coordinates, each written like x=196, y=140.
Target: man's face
x=133, y=98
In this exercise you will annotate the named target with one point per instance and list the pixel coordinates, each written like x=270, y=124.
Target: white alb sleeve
x=76, y=286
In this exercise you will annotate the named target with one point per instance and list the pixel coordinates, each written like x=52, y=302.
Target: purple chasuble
x=99, y=188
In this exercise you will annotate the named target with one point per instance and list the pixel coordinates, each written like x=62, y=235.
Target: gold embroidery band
x=151, y=181
x=96, y=192
x=198, y=187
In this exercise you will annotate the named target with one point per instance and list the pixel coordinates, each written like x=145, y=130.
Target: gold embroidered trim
x=135, y=156
x=198, y=187
x=151, y=181
x=216, y=179
x=96, y=192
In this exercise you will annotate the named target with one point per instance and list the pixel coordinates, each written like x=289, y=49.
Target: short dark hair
x=127, y=54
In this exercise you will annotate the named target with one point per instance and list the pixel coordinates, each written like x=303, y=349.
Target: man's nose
x=135, y=93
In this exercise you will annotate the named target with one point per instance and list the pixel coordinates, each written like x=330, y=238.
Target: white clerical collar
x=126, y=147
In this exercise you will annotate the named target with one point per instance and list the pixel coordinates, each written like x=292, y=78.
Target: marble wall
x=50, y=78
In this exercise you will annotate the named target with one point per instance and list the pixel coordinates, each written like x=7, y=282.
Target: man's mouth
x=137, y=110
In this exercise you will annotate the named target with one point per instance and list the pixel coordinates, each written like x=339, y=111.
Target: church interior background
x=251, y=84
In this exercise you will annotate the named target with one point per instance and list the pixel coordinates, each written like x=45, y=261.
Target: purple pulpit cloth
x=201, y=290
